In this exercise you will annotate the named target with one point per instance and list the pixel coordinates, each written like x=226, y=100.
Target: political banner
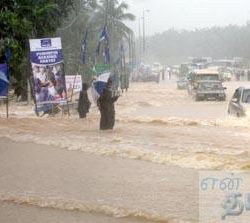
x=73, y=84
x=4, y=80
x=47, y=64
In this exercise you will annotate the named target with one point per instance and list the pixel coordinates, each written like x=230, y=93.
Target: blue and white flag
x=104, y=35
x=4, y=80
x=84, y=48
x=99, y=85
x=104, y=38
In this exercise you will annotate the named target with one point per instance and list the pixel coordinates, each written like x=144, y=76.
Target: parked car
x=182, y=83
x=201, y=75
x=209, y=90
x=240, y=103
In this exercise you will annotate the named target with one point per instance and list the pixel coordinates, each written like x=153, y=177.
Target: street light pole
x=140, y=44
x=143, y=22
x=144, y=31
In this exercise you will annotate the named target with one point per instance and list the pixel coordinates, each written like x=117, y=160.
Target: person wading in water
x=107, y=108
x=83, y=103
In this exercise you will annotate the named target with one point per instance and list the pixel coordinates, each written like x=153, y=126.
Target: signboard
x=101, y=68
x=4, y=80
x=47, y=64
x=73, y=84
x=46, y=51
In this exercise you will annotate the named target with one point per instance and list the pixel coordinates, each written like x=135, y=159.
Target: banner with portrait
x=4, y=80
x=47, y=64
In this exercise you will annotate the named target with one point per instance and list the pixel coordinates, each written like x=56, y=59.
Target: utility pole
x=143, y=22
x=144, y=31
x=140, y=43
x=133, y=50
x=131, y=59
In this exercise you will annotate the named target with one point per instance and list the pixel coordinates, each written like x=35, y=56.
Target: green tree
x=217, y=42
x=21, y=20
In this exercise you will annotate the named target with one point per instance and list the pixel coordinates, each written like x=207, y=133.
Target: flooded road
x=144, y=170
x=48, y=178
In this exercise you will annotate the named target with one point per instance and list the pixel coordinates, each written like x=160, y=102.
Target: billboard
x=47, y=64
x=4, y=80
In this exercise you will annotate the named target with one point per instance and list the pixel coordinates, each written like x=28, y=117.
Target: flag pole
x=31, y=83
x=106, y=25
x=7, y=106
x=63, y=69
x=7, y=96
x=108, y=41
x=7, y=61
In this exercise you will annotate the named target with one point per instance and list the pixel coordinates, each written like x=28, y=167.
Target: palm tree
x=113, y=14
x=93, y=19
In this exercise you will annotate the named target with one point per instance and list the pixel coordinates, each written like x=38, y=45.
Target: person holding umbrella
x=106, y=106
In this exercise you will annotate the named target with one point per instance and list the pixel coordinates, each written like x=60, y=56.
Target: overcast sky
x=188, y=14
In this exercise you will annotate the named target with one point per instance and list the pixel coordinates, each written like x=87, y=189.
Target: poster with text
x=47, y=65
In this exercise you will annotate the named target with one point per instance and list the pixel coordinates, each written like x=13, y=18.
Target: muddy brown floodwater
x=64, y=169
